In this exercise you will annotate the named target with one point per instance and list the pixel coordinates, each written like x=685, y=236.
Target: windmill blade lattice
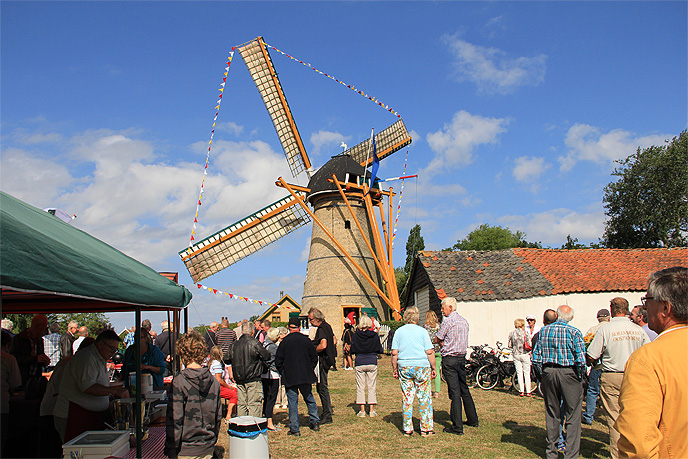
x=241, y=239
x=262, y=70
x=387, y=141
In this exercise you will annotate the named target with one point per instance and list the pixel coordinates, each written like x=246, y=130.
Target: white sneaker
x=361, y=414
x=372, y=413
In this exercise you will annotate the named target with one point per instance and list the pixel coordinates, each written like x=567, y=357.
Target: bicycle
x=478, y=357
x=499, y=371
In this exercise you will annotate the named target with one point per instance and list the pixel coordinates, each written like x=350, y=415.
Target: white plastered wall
x=492, y=321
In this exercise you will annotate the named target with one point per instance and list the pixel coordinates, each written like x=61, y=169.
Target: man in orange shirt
x=653, y=420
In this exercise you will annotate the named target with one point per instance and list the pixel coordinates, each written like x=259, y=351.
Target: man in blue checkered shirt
x=51, y=345
x=559, y=356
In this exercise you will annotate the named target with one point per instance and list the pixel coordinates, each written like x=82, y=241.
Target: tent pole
x=186, y=319
x=137, y=406
x=169, y=342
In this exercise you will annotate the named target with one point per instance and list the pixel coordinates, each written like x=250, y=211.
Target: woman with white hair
x=520, y=345
x=413, y=364
x=365, y=345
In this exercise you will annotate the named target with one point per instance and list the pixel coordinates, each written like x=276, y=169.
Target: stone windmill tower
x=350, y=261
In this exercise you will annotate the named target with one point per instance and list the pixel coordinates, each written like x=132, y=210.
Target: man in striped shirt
x=559, y=356
x=453, y=337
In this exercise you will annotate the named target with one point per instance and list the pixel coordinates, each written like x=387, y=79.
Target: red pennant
x=199, y=285
x=215, y=291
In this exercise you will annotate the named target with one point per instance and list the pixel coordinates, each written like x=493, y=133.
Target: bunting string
x=353, y=88
x=210, y=144
x=234, y=296
x=401, y=192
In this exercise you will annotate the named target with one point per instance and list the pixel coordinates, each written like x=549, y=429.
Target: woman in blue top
x=413, y=363
x=152, y=360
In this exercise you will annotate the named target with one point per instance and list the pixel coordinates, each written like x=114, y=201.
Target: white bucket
x=146, y=382
x=248, y=438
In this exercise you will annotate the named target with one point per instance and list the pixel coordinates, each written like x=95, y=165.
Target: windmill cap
x=339, y=165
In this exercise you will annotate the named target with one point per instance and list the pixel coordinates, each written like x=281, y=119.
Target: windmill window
x=347, y=224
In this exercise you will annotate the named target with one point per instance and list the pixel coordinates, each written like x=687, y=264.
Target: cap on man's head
x=294, y=322
x=603, y=313
x=529, y=316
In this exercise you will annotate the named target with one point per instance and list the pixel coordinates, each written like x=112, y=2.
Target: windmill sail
x=389, y=140
x=241, y=239
x=259, y=64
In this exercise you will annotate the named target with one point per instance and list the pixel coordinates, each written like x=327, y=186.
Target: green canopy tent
x=47, y=265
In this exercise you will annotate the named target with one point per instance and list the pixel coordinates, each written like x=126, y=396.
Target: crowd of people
x=640, y=377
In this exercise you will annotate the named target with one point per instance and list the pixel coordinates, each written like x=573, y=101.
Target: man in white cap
x=531, y=328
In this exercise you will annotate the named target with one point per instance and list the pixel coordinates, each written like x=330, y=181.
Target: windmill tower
x=350, y=262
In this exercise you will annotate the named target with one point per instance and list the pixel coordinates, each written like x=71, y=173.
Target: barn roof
x=525, y=273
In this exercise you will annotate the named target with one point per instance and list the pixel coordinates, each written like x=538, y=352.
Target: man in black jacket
x=67, y=339
x=246, y=357
x=327, y=354
x=295, y=360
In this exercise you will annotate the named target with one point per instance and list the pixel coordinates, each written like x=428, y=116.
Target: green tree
x=486, y=237
x=401, y=277
x=572, y=243
x=414, y=244
x=648, y=205
x=96, y=322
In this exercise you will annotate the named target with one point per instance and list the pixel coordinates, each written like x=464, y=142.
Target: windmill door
x=352, y=312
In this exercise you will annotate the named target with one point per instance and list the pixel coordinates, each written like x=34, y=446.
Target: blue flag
x=376, y=164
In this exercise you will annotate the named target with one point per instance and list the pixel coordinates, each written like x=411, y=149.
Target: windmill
x=350, y=261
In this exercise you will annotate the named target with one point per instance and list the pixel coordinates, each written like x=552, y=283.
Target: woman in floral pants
x=413, y=363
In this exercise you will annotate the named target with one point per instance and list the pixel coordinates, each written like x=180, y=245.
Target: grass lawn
x=510, y=426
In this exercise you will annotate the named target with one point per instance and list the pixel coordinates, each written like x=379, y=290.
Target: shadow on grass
x=594, y=444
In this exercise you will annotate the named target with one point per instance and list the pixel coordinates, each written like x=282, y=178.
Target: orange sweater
x=653, y=421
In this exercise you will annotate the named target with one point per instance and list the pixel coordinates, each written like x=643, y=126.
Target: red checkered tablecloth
x=151, y=448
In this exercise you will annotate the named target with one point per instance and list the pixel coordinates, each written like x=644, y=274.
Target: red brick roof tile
x=526, y=273
x=601, y=270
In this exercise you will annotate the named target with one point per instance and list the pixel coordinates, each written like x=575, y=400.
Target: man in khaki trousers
x=613, y=344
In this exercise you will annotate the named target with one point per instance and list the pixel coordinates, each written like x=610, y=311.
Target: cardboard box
x=98, y=444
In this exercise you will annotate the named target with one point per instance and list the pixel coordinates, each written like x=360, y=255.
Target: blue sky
x=517, y=109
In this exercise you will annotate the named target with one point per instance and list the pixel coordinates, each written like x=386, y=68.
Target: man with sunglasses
x=85, y=389
x=531, y=328
x=654, y=394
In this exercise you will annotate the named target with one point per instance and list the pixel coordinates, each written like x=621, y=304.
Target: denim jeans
x=293, y=401
x=454, y=371
x=591, y=396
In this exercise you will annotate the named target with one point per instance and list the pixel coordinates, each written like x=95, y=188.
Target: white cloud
x=454, y=143
x=230, y=127
x=529, y=168
x=551, y=227
x=589, y=143
x=33, y=179
x=329, y=140
x=491, y=69
x=145, y=208
x=494, y=26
